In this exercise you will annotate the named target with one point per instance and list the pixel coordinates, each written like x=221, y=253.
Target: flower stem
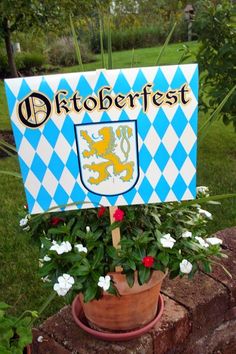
x=44, y=306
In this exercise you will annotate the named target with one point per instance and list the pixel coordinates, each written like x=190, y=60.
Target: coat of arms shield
x=108, y=156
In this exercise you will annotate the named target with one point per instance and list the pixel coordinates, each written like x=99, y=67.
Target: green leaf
x=98, y=256
x=4, y=306
x=81, y=271
x=144, y=274
x=109, y=45
x=111, y=251
x=165, y=44
x=130, y=278
x=77, y=48
x=164, y=258
x=90, y=293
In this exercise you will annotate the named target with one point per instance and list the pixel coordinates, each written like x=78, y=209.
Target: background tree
x=23, y=15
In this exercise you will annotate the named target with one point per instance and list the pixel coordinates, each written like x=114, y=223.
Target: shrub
x=62, y=52
x=216, y=55
x=29, y=63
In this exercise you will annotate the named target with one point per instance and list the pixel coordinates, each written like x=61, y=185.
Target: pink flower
x=148, y=261
x=101, y=211
x=118, y=215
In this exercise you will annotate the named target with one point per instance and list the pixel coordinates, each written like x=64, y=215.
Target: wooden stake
x=115, y=234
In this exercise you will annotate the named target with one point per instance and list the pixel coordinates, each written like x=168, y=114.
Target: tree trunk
x=10, y=56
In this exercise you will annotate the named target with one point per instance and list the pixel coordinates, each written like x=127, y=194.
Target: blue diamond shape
x=179, y=122
x=24, y=90
x=105, y=117
x=94, y=198
x=179, y=187
x=17, y=135
x=72, y=164
x=30, y=200
x=145, y=158
x=33, y=136
x=129, y=196
x=124, y=116
x=161, y=157
x=161, y=123
x=67, y=130
x=44, y=199
x=60, y=196
x=162, y=189
x=83, y=87
x=46, y=89
x=102, y=81
x=194, y=120
x=24, y=168
x=193, y=154
x=139, y=82
x=193, y=186
x=112, y=199
x=86, y=119
x=121, y=84
x=11, y=99
x=143, y=124
x=179, y=155
x=160, y=82
x=56, y=166
x=63, y=85
x=51, y=132
x=38, y=167
x=194, y=83
x=77, y=194
x=145, y=190
x=178, y=79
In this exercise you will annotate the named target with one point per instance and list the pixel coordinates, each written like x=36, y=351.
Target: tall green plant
x=109, y=45
x=77, y=48
x=101, y=40
x=165, y=44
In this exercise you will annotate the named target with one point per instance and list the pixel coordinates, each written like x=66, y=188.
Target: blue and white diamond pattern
x=167, y=138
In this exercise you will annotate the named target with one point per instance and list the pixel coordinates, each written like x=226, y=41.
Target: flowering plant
x=77, y=252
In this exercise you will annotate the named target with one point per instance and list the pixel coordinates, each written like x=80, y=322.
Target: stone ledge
x=199, y=317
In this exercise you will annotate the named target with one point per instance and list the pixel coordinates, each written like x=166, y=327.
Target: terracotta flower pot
x=136, y=306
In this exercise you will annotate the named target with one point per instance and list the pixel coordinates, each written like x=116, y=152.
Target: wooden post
x=115, y=234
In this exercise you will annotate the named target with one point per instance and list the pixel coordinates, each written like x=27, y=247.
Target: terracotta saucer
x=80, y=320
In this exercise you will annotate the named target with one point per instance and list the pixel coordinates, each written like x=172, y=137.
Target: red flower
x=118, y=215
x=148, y=261
x=55, y=220
x=101, y=211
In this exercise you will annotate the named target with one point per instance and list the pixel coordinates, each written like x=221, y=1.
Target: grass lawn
x=19, y=282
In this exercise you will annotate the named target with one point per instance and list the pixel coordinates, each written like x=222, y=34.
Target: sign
x=110, y=137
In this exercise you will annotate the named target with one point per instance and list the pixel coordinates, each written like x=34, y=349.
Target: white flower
x=40, y=339
x=65, y=282
x=167, y=241
x=203, y=190
x=185, y=266
x=64, y=247
x=46, y=258
x=214, y=240
x=104, y=282
x=81, y=248
x=88, y=229
x=205, y=213
x=202, y=241
x=24, y=222
x=27, y=228
x=187, y=234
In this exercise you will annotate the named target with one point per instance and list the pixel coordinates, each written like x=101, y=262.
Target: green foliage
x=216, y=56
x=90, y=254
x=15, y=332
x=28, y=63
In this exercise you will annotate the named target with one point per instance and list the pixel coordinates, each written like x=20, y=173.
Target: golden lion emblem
x=105, y=148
